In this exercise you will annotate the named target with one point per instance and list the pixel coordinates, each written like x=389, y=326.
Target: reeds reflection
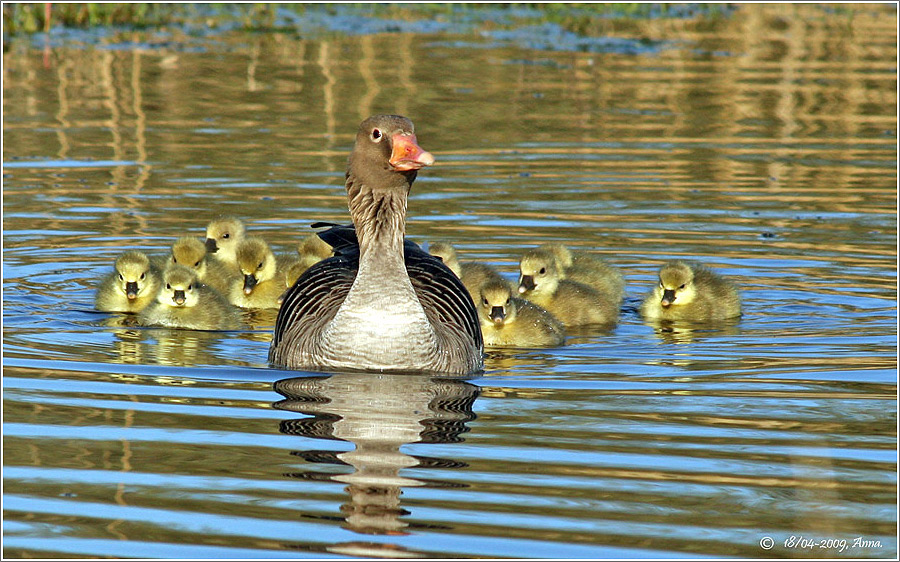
x=378, y=414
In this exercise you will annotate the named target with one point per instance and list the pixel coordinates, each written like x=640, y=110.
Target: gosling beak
x=211, y=246
x=497, y=314
x=131, y=290
x=178, y=297
x=407, y=154
x=526, y=283
x=249, y=282
x=668, y=298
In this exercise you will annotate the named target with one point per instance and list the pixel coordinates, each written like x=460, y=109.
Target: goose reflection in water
x=378, y=413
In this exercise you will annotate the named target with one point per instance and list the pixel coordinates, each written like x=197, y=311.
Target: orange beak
x=407, y=154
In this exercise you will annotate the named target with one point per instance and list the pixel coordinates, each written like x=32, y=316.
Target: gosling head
x=314, y=247
x=563, y=255
x=223, y=236
x=447, y=253
x=133, y=269
x=256, y=262
x=496, y=303
x=189, y=252
x=538, y=272
x=294, y=271
x=180, y=287
x=676, y=284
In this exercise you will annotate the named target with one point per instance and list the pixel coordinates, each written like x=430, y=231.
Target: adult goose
x=380, y=303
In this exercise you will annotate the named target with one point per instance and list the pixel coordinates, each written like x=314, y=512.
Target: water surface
x=762, y=144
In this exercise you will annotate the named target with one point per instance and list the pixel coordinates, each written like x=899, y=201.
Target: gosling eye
x=143, y=275
x=197, y=263
x=226, y=236
x=260, y=265
x=376, y=135
x=121, y=277
x=174, y=259
x=661, y=286
x=168, y=286
x=543, y=270
x=682, y=285
x=484, y=301
x=191, y=286
x=507, y=301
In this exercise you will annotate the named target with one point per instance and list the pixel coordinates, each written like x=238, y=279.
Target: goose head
x=256, y=262
x=382, y=167
x=538, y=272
x=189, y=252
x=179, y=287
x=314, y=247
x=561, y=254
x=386, y=148
x=497, y=305
x=447, y=253
x=222, y=237
x=134, y=275
x=676, y=284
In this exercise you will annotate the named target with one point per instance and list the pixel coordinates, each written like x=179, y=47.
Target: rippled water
x=762, y=143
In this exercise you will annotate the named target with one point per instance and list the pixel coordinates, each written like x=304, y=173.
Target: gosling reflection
x=136, y=345
x=378, y=414
x=678, y=332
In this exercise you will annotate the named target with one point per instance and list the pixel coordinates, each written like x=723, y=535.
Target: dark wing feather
x=311, y=303
x=338, y=236
x=443, y=296
x=343, y=237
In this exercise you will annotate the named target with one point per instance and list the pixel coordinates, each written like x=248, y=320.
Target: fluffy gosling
x=222, y=238
x=131, y=287
x=691, y=292
x=184, y=302
x=573, y=304
x=262, y=283
x=472, y=274
x=508, y=321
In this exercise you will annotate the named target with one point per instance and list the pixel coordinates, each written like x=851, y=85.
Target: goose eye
x=376, y=135
x=543, y=270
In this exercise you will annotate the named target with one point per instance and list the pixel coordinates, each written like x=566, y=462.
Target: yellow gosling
x=472, y=274
x=508, y=321
x=691, y=292
x=191, y=252
x=184, y=302
x=576, y=266
x=573, y=304
x=222, y=238
x=131, y=287
x=262, y=283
